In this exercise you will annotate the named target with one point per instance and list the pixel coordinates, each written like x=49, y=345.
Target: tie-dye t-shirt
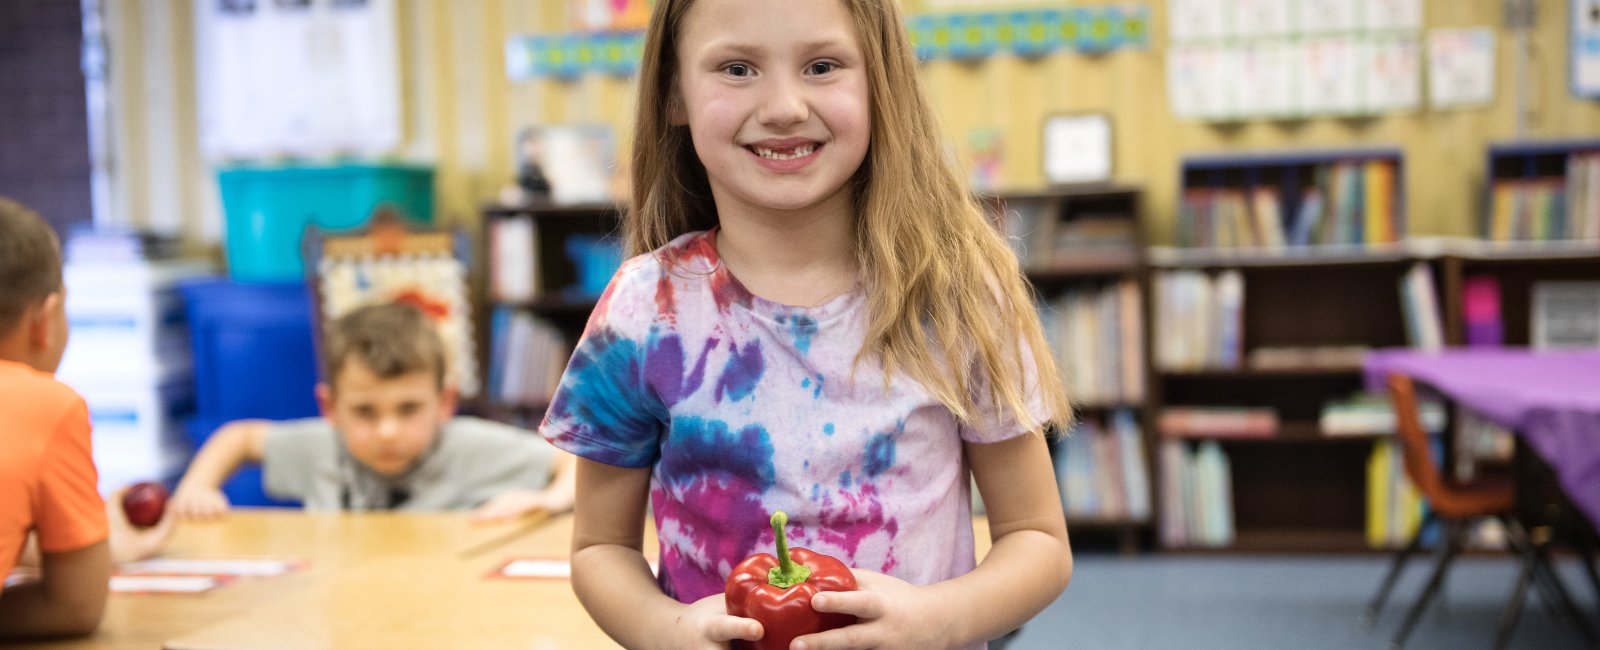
x=742, y=406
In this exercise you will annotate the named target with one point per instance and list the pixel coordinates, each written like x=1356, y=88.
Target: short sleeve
x=293, y=451
x=996, y=422
x=70, y=513
x=603, y=409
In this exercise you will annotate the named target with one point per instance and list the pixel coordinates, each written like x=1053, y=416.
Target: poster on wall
x=305, y=78
x=1460, y=67
x=1585, y=47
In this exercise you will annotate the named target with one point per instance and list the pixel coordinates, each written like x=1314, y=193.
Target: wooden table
x=371, y=580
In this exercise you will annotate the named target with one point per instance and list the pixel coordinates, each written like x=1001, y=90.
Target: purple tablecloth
x=1550, y=398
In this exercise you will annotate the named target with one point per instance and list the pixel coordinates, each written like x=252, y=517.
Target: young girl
x=824, y=324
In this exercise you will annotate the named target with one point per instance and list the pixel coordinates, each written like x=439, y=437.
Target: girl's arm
x=1026, y=569
x=613, y=581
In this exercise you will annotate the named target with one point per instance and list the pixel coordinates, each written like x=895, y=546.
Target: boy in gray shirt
x=388, y=438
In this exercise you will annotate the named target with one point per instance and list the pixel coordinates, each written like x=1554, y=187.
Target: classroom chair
x=1457, y=507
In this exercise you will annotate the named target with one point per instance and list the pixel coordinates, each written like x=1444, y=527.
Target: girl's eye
x=822, y=67
x=737, y=69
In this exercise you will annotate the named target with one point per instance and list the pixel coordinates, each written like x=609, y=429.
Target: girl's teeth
x=797, y=152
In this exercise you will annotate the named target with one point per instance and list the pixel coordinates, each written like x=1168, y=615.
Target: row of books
x=1199, y=322
x=1372, y=414
x=1548, y=208
x=1096, y=336
x=1394, y=506
x=528, y=357
x=1349, y=202
x=1217, y=422
x=1196, y=495
x=1101, y=469
x=1042, y=241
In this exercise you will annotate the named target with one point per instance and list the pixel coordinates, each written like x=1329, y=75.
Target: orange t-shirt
x=47, y=475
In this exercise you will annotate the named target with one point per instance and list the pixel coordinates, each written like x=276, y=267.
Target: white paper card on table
x=542, y=568
x=1460, y=67
x=254, y=567
x=164, y=584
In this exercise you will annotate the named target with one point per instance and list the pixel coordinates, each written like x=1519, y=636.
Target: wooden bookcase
x=1297, y=489
x=1083, y=241
x=547, y=228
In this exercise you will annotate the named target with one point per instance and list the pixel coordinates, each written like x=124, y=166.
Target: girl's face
x=775, y=96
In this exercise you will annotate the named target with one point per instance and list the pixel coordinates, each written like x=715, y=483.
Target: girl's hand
x=705, y=623
x=892, y=613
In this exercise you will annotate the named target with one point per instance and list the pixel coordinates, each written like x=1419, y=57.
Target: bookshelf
x=546, y=266
x=1082, y=248
x=1542, y=190
x=1263, y=353
x=1292, y=199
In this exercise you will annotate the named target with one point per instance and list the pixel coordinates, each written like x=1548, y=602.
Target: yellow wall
x=462, y=113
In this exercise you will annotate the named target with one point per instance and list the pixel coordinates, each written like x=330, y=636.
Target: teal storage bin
x=267, y=209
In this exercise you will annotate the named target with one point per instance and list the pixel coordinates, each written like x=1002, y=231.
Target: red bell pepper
x=777, y=591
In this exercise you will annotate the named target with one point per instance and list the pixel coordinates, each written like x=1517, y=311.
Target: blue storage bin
x=267, y=209
x=253, y=350
x=597, y=259
x=253, y=358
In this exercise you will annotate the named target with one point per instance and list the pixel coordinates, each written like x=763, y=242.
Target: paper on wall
x=1460, y=67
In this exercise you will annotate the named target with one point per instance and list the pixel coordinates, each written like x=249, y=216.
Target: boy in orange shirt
x=47, y=475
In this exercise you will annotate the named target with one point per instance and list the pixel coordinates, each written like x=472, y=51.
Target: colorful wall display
x=972, y=36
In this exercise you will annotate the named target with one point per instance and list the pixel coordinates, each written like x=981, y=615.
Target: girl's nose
x=784, y=104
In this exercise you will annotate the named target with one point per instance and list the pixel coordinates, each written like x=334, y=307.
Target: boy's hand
x=892, y=613
x=197, y=502
x=130, y=543
x=706, y=624
x=513, y=504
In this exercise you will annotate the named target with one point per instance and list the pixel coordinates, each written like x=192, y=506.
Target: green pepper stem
x=787, y=574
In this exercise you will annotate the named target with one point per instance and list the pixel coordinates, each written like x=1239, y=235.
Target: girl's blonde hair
x=944, y=290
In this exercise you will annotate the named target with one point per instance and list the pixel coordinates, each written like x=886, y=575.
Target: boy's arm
x=556, y=496
x=613, y=581
x=1027, y=568
x=199, y=494
x=68, y=599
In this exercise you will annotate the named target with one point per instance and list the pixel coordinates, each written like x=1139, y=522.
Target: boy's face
x=386, y=423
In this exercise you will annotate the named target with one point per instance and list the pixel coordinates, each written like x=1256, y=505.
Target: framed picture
x=1077, y=148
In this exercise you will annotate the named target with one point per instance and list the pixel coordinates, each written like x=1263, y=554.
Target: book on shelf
x=1372, y=414
x=1218, y=422
x=1197, y=495
x=1199, y=319
x=1583, y=196
x=1094, y=334
x=1394, y=506
x=1100, y=469
x=1419, y=304
x=1479, y=440
x=513, y=259
x=1319, y=357
x=529, y=355
x=1480, y=309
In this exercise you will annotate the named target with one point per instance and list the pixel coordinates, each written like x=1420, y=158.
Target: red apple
x=144, y=503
